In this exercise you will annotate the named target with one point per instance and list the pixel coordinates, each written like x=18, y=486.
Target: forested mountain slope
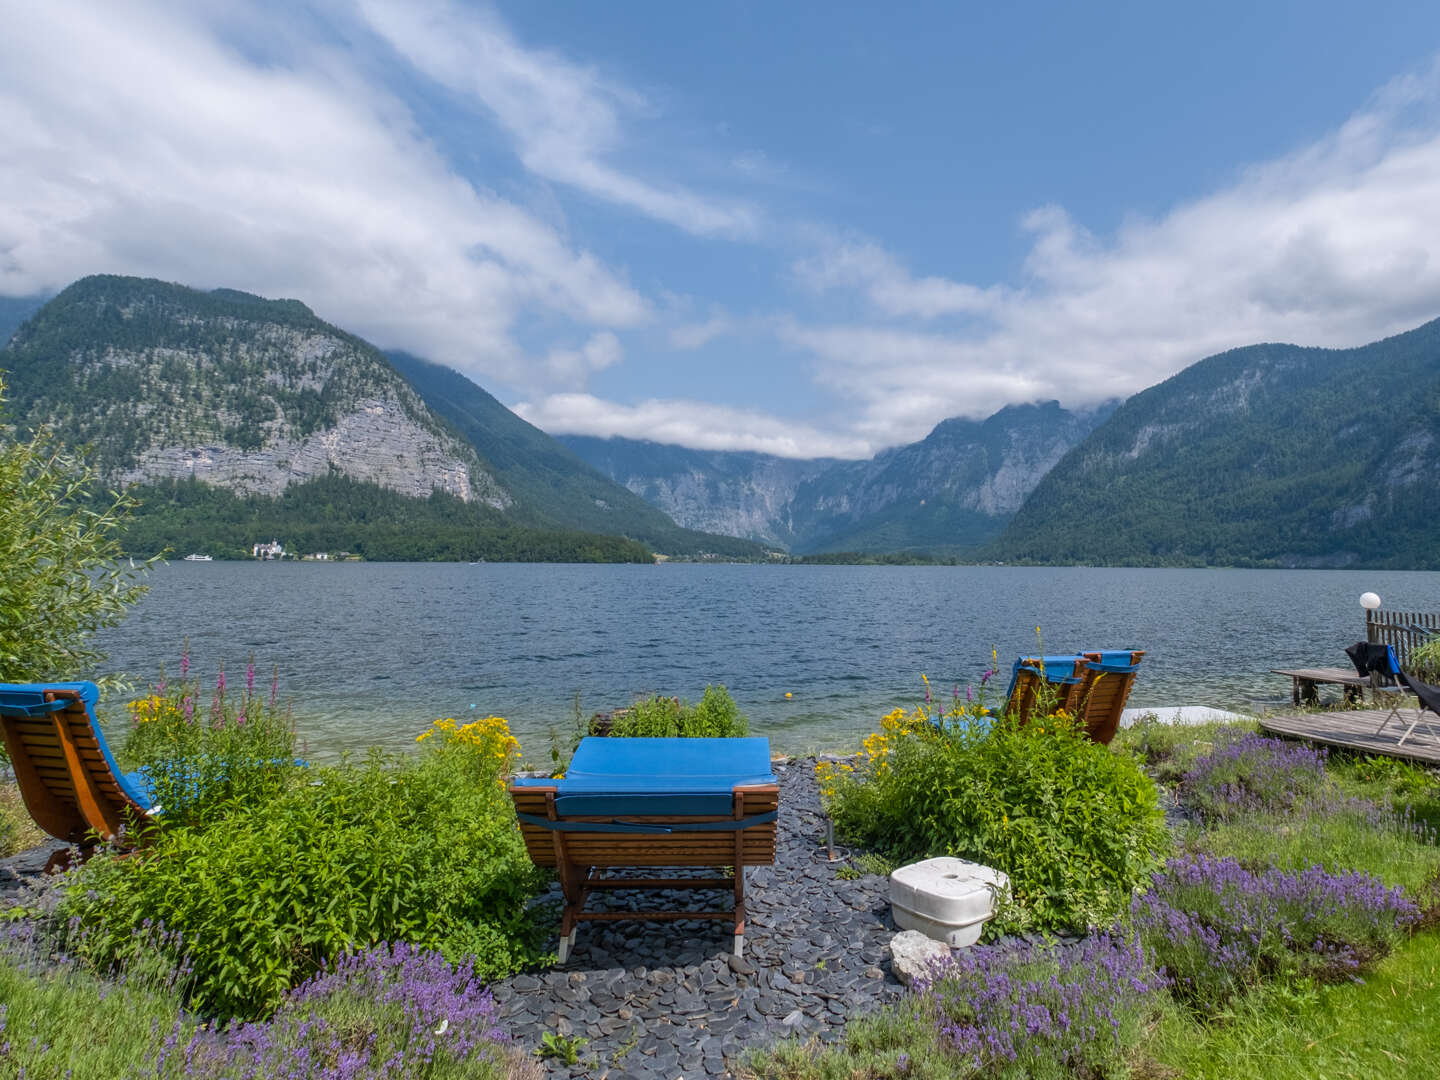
x=1266, y=455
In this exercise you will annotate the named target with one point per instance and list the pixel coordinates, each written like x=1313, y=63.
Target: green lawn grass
x=71, y=1026
x=1388, y=1026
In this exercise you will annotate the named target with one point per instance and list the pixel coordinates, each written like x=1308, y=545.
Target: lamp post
x=1371, y=603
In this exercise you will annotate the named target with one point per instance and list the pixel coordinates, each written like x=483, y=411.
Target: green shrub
x=1074, y=825
x=205, y=760
x=1425, y=660
x=716, y=716
x=423, y=851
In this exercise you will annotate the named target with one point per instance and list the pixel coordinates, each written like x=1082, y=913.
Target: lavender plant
x=390, y=1012
x=1218, y=928
x=1253, y=773
x=1025, y=1010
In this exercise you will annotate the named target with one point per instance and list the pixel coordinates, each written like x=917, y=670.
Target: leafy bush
x=716, y=716
x=423, y=851
x=61, y=574
x=1218, y=928
x=1075, y=826
x=1425, y=660
x=203, y=762
x=1253, y=773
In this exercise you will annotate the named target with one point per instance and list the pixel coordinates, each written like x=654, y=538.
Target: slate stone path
x=666, y=1000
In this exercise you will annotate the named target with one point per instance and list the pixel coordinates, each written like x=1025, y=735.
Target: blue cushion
x=1058, y=669
x=614, y=776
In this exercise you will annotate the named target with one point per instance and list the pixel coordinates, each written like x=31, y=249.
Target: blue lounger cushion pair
x=657, y=777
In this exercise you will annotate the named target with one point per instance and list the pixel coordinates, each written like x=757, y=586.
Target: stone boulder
x=913, y=955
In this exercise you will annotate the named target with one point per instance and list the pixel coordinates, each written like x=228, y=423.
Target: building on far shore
x=272, y=550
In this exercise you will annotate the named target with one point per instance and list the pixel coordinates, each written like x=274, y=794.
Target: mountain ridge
x=952, y=490
x=1270, y=455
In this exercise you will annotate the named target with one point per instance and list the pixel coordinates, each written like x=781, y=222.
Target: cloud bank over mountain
x=603, y=253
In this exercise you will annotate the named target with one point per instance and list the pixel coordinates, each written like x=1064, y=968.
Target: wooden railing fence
x=1403, y=629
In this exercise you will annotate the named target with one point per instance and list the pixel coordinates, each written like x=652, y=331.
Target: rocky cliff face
x=166, y=382
x=729, y=492
x=957, y=487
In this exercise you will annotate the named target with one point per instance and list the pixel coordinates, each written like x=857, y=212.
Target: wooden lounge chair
x=1105, y=687
x=67, y=776
x=1063, y=675
x=652, y=803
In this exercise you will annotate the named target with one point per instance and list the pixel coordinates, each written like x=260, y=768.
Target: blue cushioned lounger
x=66, y=773
x=652, y=802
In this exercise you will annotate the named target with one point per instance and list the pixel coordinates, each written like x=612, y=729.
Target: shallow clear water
x=372, y=652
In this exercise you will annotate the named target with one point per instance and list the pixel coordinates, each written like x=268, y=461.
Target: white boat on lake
x=192, y=557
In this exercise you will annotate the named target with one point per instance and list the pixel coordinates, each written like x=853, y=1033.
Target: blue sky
x=809, y=229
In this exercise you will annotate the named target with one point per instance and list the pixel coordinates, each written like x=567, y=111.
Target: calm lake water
x=370, y=653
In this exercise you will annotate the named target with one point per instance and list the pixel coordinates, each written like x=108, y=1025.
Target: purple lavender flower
x=1218, y=927
x=387, y=1012
x=1079, y=1007
x=1254, y=773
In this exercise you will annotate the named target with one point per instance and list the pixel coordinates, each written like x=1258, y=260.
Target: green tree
x=61, y=575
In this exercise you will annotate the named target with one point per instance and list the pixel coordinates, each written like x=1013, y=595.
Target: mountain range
x=232, y=416
x=952, y=491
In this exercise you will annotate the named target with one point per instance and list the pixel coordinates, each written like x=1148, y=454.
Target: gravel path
x=666, y=1000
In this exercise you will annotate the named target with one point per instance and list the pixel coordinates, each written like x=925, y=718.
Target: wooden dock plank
x=1354, y=729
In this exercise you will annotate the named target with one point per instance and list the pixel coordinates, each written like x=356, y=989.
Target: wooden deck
x=1355, y=730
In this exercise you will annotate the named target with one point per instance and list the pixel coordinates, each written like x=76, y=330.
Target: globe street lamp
x=1370, y=602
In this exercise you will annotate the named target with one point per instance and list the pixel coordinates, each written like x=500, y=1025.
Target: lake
x=371, y=653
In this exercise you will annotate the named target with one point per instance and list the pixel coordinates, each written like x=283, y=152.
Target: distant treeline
x=874, y=558
x=336, y=513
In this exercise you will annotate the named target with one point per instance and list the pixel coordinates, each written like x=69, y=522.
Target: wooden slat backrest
x=1027, y=688
x=676, y=848
x=1103, y=697
x=66, y=783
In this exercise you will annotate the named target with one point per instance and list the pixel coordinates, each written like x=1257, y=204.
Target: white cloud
x=696, y=424
x=136, y=141
x=697, y=335
x=886, y=283
x=571, y=367
x=564, y=117
x=1337, y=244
